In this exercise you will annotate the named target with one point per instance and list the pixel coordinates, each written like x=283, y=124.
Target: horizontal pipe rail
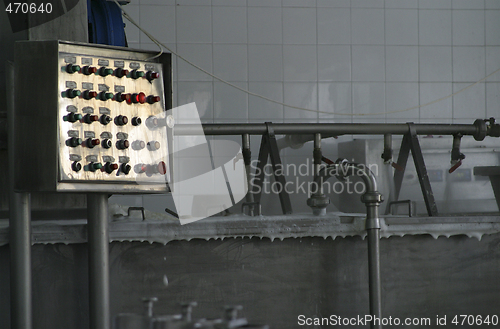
x=478, y=129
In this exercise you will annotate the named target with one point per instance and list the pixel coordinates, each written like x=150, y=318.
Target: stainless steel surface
x=98, y=243
x=44, y=157
x=73, y=25
x=19, y=236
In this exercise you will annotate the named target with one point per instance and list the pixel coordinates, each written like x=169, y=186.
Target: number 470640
x=477, y=320
x=28, y=8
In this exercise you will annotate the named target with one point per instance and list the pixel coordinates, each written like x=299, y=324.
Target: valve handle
x=396, y=166
x=455, y=167
x=326, y=160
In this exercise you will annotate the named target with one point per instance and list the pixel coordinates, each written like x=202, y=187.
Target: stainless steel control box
x=91, y=118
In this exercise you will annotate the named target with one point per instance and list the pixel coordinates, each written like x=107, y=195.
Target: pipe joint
x=318, y=204
x=372, y=198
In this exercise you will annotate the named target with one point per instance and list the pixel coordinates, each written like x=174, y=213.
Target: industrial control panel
x=91, y=118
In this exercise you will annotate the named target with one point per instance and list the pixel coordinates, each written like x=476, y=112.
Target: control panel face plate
x=112, y=120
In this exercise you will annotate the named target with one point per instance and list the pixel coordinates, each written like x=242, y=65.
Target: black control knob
x=122, y=144
x=121, y=120
x=72, y=93
x=104, y=96
x=76, y=166
x=105, y=119
x=93, y=166
x=103, y=71
x=136, y=121
x=125, y=168
x=71, y=68
x=74, y=142
x=106, y=143
x=135, y=74
x=72, y=117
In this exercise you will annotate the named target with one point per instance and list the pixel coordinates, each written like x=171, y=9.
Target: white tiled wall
x=344, y=56
x=357, y=56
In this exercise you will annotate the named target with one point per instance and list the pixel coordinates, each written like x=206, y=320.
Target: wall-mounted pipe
x=479, y=129
x=372, y=199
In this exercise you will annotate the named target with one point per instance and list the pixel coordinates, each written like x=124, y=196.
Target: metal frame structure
x=372, y=198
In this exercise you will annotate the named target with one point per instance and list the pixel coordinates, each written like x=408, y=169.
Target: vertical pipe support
x=317, y=155
x=318, y=201
x=387, y=155
x=19, y=230
x=247, y=159
x=372, y=200
x=98, y=241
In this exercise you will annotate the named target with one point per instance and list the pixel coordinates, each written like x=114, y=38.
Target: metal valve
x=148, y=305
x=456, y=156
x=187, y=310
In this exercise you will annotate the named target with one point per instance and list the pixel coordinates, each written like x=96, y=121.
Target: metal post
x=374, y=282
x=20, y=260
x=98, y=240
x=19, y=232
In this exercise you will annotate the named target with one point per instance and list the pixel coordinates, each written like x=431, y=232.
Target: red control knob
x=162, y=168
x=88, y=70
x=109, y=167
x=119, y=97
x=120, y=73
x=153, y=99
x=141, y=98
x=150, y=75
x=91, y=143
x=89, y=118
x=87, y=94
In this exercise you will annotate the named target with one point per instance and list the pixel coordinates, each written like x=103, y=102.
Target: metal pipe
x=19, y=232
x=98, y=240
x=374, y=282
x=372, y=199
x=336, y=129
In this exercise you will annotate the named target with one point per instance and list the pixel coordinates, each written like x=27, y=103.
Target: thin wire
x=160, y=45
